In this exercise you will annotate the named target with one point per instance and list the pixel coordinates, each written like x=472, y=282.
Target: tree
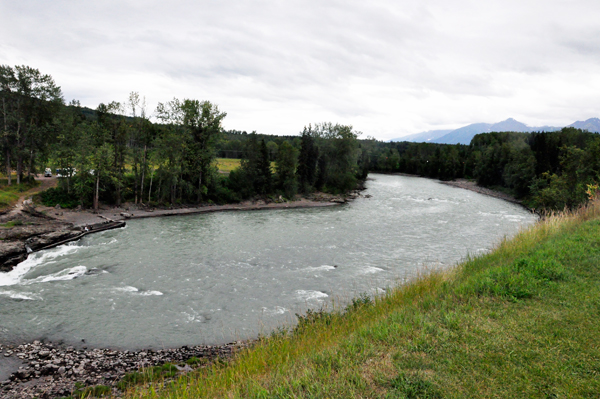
x=285, y=167
x=307, y=161
x=199, y=123
x=29, y=101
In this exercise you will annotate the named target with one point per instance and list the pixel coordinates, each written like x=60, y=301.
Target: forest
x=116, y=154
x=122, y=152
x=547, y=170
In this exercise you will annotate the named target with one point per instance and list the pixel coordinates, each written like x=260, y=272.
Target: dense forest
x=121, y=152
x=548, y=170
x=116, y=154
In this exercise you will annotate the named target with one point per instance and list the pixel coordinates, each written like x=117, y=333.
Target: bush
x=54, y=196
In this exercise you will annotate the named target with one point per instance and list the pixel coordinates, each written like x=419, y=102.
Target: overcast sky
x=389, y=68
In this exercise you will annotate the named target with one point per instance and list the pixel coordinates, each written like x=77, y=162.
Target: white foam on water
x=277, y=310
x=318, y=268
x=370, y=270
x=112, y=241
x=15, y=276
x=127, y=288
x=30, y=296
x=63, y=275
x=150, y=293
x=309, y=295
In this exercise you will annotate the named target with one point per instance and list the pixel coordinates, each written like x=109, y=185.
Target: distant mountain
x=464, y=134
x=424, y=136
x=591, y=125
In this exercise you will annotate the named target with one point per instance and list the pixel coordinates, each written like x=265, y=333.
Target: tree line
x=547, y=170
x=117, y=154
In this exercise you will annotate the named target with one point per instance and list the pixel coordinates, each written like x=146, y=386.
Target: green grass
x=520, y=322
x=81, y=392
x=9, y=195
x=12, y=223
x=226, y=165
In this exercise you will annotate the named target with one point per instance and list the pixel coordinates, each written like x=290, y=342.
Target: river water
x=214, y=278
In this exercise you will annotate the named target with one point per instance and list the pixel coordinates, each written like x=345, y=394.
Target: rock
x=11, y=253
x=126, y=215
x=57, y=206
x=52, y=238
x=22, y=374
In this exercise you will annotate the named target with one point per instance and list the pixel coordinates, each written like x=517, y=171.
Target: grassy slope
x=9, y=195
x=522, y=321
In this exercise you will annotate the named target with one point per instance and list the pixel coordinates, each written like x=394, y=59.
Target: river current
x=214, y=278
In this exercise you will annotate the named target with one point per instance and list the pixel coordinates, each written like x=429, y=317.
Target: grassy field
x=520, y=322
x=226, y=165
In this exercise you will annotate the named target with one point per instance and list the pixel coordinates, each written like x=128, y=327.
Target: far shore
x=81, y=218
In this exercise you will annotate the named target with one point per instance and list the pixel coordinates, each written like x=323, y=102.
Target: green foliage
x=97, y=391
x=286, y=164
x=150, y=374
x=53, y=196
x=548, y=170
x=119, y=155
x=13, y=223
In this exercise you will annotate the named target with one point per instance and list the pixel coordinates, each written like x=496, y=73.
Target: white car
x=48, y=172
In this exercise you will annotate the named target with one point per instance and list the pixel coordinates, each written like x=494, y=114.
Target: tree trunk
x=135, y=184
x=19, y=168
x=8, y=171
x=199, y=187
x=143, y=176
x=97, y=192
x=150, y=190
x=30, y=167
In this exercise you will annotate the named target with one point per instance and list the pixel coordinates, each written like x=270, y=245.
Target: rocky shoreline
x=33, y=231
x=49, y=371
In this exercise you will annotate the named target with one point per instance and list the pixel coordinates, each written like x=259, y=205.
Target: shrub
x=54, y=196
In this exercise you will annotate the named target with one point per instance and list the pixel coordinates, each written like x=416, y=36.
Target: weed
x=13, y=223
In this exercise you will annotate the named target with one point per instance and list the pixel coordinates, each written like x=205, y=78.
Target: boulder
x=11, y=253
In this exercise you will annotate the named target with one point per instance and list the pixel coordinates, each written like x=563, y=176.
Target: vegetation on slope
x=521, y=321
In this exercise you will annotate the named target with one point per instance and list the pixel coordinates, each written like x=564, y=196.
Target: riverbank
x=517, y=322
x=472, y=186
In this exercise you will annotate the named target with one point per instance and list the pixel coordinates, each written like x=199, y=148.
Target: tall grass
x=521, y=321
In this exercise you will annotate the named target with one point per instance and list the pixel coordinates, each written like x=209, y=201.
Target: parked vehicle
x=66, y=172
x=48, y=172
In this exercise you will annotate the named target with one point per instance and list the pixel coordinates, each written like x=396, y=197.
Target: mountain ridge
x=463, y=135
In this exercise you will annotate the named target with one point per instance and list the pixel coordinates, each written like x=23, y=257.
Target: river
x=218, y=277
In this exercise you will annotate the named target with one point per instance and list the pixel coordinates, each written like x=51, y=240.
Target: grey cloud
x=351, y=60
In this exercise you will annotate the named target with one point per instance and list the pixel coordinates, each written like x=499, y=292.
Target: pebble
x=52, y=370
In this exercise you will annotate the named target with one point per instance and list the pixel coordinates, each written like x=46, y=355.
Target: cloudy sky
x=389, y=68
